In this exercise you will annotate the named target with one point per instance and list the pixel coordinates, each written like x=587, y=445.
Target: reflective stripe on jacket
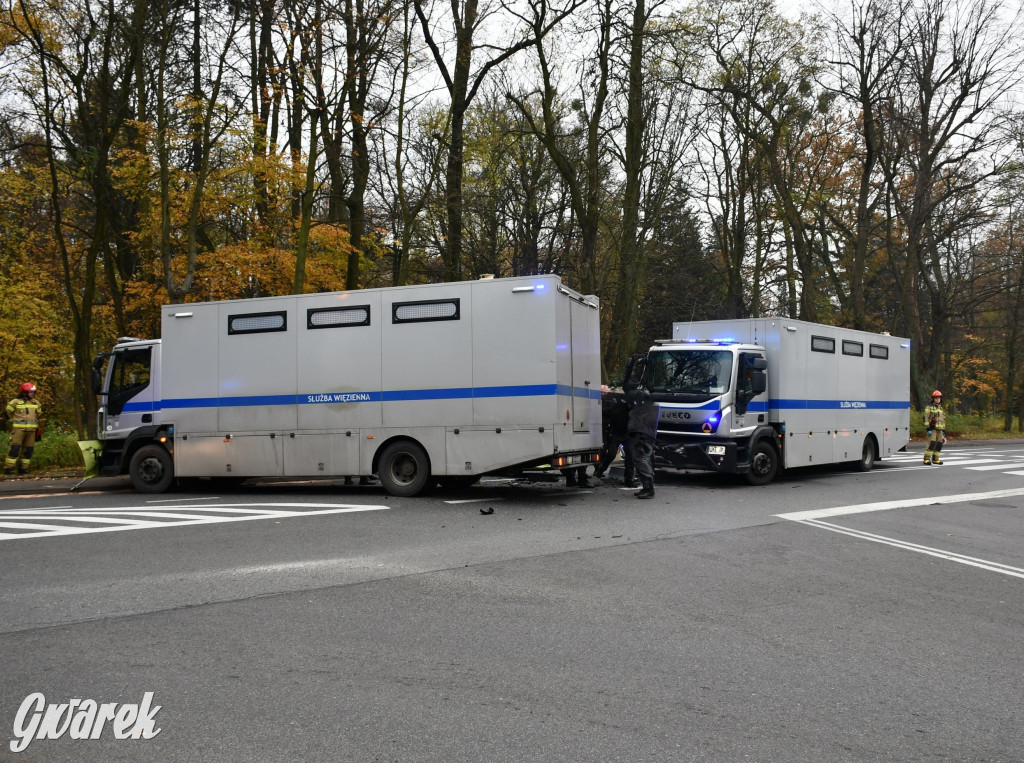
x=935, y=412
x=24, y=414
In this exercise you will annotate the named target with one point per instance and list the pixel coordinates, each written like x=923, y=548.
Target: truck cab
x=713, y=401
x=127, y=381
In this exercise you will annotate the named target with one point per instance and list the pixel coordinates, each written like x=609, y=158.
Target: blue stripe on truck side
x=834, y=405
x=320, y=398
x=460, y=393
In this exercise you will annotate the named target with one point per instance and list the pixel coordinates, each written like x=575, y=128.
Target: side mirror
x=758, y=381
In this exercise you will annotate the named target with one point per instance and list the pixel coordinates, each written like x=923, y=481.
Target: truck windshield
x=704, y=372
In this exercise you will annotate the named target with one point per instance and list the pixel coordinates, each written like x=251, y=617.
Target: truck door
x=751, y=407
x=129, y=402
x=584, y=360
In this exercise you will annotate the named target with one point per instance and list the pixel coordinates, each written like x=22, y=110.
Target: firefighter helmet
x=936, y=393
x=28, y=387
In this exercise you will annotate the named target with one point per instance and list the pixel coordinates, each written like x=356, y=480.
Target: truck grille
x=681, y=426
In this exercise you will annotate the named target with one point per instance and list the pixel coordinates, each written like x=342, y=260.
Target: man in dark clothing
x=615, y=414
x=643, y=429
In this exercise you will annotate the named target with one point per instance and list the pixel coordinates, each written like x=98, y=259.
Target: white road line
x=179, y=515
x=1016, y=474
x=178, y=500
x=50, y=529
x=72, y=518
x=225, y=507
x=1004, y=465
x=475, y=500
x=966, y=461
x=255, y=511
x=863, y=508
x=1003, y=569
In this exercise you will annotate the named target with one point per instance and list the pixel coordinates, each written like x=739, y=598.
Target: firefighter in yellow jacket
x=23, y=412
x=935, y=422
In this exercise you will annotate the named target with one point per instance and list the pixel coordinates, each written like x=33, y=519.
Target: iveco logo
x=676, y=415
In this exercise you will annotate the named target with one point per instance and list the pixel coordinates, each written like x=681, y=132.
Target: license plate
x=716, y=450
x=572, y=459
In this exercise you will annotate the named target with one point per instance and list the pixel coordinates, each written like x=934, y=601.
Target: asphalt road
x=833, y=615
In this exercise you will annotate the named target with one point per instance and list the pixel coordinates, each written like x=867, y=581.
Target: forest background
x=860, y=166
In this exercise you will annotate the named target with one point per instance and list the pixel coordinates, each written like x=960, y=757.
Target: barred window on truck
x=429, y=310
x=338, y=317
x=853, y=348
x=258, y=323
x=823, y=344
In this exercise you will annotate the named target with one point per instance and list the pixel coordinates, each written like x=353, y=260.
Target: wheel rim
x=151, y=470
x=404, y=469
x=762, y=464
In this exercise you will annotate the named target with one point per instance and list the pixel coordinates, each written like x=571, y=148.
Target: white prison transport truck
x=426, y=384
x=758, y=395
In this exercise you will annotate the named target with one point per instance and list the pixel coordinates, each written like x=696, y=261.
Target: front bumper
x=681, y=454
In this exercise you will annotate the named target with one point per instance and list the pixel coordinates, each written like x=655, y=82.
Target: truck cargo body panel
x=483, y=375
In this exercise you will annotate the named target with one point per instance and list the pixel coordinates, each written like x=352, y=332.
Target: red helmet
x=28, y=387
x=936, y=393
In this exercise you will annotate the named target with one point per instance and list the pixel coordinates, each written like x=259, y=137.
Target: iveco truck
x=419, y=385
x=759, y=395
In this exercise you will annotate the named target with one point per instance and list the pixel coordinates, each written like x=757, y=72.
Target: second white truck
x=755, y=396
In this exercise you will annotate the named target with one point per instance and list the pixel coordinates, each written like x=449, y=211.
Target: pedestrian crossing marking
x=1007, y=461
x=64, y=520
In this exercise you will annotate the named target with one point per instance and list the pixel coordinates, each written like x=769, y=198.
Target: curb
x=36, y=485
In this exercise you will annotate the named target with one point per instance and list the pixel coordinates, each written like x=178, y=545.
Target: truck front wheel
x=404, y=468
x=151, y=469
x=764, y=463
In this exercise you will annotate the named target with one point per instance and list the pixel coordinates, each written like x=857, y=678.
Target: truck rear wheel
x=404, y=468
x=764, y=463
x=151, y=469
x=868, y=455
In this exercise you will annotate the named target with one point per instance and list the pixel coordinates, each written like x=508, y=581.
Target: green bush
x=965, y=427
x=56, y=451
